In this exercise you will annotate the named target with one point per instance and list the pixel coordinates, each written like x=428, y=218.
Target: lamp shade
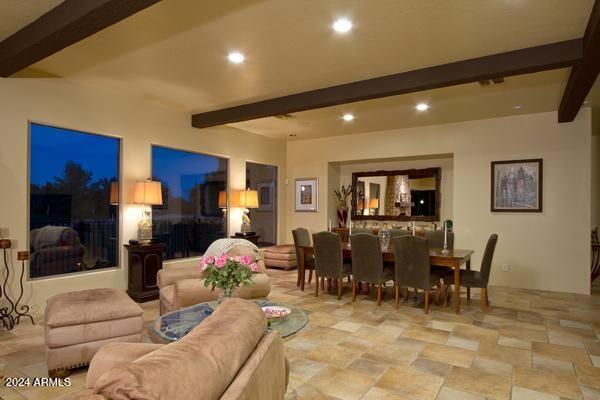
x=147, y=192
x=114, y=193
x=244, y=198
x=222, y=199
x=374, y=203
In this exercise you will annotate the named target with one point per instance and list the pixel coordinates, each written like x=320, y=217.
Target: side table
x=145, y=260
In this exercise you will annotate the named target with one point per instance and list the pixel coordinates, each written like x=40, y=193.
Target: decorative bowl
x=276, y=313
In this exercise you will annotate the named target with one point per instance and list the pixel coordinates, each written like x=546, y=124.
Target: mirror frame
x=412, y=174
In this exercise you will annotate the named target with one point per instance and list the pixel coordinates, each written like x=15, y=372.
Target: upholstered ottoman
x=79, y=323
x=283, y=256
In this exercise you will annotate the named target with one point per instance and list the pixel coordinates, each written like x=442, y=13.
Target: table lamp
x=246, y=199
x=147, y=193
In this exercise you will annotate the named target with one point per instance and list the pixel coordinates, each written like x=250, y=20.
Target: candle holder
x=445, y=250
x=22, y=311
x=8, y=321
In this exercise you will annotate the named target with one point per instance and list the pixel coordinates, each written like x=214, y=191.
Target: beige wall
x=548, y=251
x=139, y=124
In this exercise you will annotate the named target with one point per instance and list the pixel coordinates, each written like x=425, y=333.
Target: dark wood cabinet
x=145, y=260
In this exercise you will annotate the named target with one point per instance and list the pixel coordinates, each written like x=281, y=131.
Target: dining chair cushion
x=362, y=230
x=367, y=260
x=412, y=262
x=329, y=260
x=395, y=232
x=302, y=238
x=468, y=278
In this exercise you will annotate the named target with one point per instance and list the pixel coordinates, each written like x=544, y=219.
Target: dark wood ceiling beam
x=584, y=74
x=64, y=25
x=533, y=59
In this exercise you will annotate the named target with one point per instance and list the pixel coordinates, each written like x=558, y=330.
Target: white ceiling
x=175, y=53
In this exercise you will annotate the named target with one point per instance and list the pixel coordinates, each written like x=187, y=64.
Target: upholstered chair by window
x=367, y=263
x=329, y=261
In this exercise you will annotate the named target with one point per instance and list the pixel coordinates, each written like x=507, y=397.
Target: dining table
x=451, y=258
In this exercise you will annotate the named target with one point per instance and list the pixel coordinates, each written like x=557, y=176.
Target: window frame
x=119, y=250
x=227, y=160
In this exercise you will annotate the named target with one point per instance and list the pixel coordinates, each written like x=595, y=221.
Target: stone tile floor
x=529, y=345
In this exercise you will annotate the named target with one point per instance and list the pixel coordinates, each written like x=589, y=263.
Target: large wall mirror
x=409, y=195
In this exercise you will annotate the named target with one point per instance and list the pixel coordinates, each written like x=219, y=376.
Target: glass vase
x=384, y=237
x=225, y=293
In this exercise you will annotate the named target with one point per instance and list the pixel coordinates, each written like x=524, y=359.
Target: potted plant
x=227, y=273
x=342, y=207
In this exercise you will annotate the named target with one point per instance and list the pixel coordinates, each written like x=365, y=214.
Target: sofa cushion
x=279, y=256
x=82, y=333
x=200, y=366
x=281, y=249
x=88, y=306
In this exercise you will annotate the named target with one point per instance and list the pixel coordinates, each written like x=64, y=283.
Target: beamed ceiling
x=175, y=53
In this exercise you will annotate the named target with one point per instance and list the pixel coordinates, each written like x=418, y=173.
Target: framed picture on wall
x=517, y=186
x=266, y=196
x=306, y=194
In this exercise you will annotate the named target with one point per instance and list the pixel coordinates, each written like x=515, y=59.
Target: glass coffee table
x=176, y=324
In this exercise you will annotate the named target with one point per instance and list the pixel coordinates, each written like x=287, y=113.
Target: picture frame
x=266, y=196
x=306, y=194
x=517, y=185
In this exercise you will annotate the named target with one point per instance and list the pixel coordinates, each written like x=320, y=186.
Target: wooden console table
x=145, y=260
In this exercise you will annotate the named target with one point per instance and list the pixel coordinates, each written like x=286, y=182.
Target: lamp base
x=246, y=227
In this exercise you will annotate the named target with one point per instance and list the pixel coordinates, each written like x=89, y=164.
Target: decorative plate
x=276, y=313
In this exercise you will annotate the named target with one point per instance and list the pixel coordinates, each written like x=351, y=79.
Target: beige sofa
x=183, y=286
x=229, y=356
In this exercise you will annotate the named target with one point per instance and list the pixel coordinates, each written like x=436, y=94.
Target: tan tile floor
x=529, y=345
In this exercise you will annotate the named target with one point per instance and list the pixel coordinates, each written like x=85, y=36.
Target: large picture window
x=193, y=214
x=73, y=204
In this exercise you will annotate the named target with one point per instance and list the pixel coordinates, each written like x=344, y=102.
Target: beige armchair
x=183, y=286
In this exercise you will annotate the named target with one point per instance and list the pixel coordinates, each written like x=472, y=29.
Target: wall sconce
x=147, y=193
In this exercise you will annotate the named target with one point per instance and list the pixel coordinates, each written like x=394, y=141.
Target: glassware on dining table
x=384, y=237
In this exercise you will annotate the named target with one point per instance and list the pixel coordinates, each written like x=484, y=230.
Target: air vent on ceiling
x=488, y=82
x=284, y=116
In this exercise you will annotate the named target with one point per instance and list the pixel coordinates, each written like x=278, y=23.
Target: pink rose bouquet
x=227, y=273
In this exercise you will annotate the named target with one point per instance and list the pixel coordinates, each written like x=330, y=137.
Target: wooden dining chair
x=478, y=279
x=329, y=261
x=436, y=239
x=302, y=238
x=412, y=268
x=367, y=263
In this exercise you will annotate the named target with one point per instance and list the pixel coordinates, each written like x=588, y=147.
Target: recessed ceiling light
x=518, y=107
x=342, y=25
x=236, y=57
x=422, y=107
x=348, y=117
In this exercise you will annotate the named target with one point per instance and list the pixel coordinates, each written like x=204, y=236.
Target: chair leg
x=340, y=280
x=379, y=294
x=310, y=275
x=426, y=301
x=406, y=294
x=484, y=299
x=328, y=284
x=468, y=293
x=397, y=296
x=353, y=290
x=317, y=285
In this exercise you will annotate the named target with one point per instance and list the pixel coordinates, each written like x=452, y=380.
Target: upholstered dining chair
x=362, y=230
x=302, y=238
x=411, y=255
x=478, y=279
x=397, y=232
x=329, y=260
x=436, y=239
x=367, y=263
